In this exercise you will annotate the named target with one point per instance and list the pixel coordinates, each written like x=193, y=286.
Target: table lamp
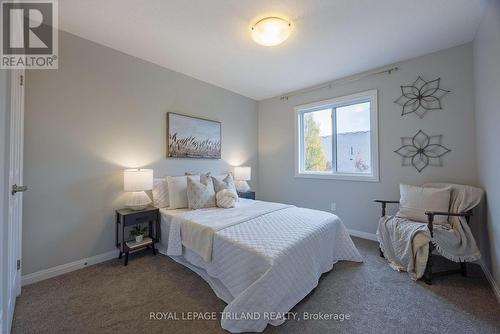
x=136, y=181
x=241, y=176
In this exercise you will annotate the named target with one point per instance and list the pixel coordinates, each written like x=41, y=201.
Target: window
x=338, y=139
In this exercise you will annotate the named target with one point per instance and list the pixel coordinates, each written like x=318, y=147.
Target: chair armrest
x=450, y=214
x=431, y=214
x=384, y=203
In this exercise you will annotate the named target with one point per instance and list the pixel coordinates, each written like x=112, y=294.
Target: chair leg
x=463, y=268
x=428, y=268
x=428, y=274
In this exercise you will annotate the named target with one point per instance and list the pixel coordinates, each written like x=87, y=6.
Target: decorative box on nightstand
x=247, y=194
x=128, y=217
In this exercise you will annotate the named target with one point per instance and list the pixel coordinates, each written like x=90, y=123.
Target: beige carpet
x=110, y=298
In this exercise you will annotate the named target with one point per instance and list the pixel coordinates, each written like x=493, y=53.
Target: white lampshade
x=242, y=173
x=137, y=179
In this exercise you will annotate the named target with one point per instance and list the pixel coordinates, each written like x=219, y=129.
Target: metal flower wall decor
x=421, y=96
x=422, y=150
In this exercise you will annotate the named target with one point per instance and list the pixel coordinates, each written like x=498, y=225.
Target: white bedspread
x=196, y=228
x=267, y=263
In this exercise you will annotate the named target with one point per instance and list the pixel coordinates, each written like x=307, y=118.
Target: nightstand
x=247, y=194
x=129, y=217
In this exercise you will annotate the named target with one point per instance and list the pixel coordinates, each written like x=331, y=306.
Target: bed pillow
x=415, y=201
x=209, y=175
x=226, y=183
x=160, y=193
x=177, y=192
x=200, y=194
x=204, y=178
x=226, y=199
x=220, y=176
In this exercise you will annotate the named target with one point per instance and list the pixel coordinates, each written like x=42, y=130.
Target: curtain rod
x=333, y=83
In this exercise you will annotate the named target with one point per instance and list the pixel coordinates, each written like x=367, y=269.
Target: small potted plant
x=138, y=233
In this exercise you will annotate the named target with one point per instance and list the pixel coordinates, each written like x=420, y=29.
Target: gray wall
x=355, y=199
x=487, y=89
x=100, y=112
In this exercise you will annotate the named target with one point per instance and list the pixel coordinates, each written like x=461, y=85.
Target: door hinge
x=21, y=80
x=18, y=264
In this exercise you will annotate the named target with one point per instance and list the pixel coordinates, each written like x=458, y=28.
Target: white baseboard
x=490, y=279
x=66, y=268
x=363, y=235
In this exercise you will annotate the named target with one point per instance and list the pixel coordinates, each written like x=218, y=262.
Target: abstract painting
x=192, y=137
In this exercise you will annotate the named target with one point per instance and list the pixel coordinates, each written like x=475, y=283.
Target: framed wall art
x=193, y=137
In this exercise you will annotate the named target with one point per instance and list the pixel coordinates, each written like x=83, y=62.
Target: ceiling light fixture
x=271, y=31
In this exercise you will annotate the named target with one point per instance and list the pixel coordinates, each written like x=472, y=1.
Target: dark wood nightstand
x=129, y=217
x=247, y=194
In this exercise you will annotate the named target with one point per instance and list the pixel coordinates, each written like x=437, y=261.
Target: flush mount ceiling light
x=271, y=31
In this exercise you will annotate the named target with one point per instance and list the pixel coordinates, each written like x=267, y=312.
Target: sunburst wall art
x=422, y=150
x=421, y=96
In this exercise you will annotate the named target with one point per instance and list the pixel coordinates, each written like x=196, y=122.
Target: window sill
x=339, y=176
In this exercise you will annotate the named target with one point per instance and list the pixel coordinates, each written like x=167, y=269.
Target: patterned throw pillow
x=160, y=193
x=205, y=178
x=226, y=198
x=200, y=194
x=226, y=183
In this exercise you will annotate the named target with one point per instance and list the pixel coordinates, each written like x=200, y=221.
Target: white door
x=16, y=189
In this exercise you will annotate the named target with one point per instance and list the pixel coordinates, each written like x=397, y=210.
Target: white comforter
x=266, y=263
x=196, y=228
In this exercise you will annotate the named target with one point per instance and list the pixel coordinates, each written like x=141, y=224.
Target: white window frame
x=366, y=96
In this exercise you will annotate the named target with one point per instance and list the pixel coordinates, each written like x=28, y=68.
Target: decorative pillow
x=177, y=192
x=220, y=176
x=204, y=177
x=226, y=198
x=200, y=194
x=226, y=183
x=415, y=201
x=160, y=193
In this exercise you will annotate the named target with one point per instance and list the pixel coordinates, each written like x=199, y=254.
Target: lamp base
x=138, y=200
x=242, y=186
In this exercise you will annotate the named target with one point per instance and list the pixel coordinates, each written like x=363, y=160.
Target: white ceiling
x=210, y=39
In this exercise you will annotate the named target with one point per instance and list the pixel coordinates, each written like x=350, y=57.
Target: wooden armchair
x=428, y=274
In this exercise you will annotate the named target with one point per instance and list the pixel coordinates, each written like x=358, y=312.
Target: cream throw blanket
x=197, y=227
x=405, y=243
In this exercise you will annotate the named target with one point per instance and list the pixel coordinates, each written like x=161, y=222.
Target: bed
x=261, y=258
